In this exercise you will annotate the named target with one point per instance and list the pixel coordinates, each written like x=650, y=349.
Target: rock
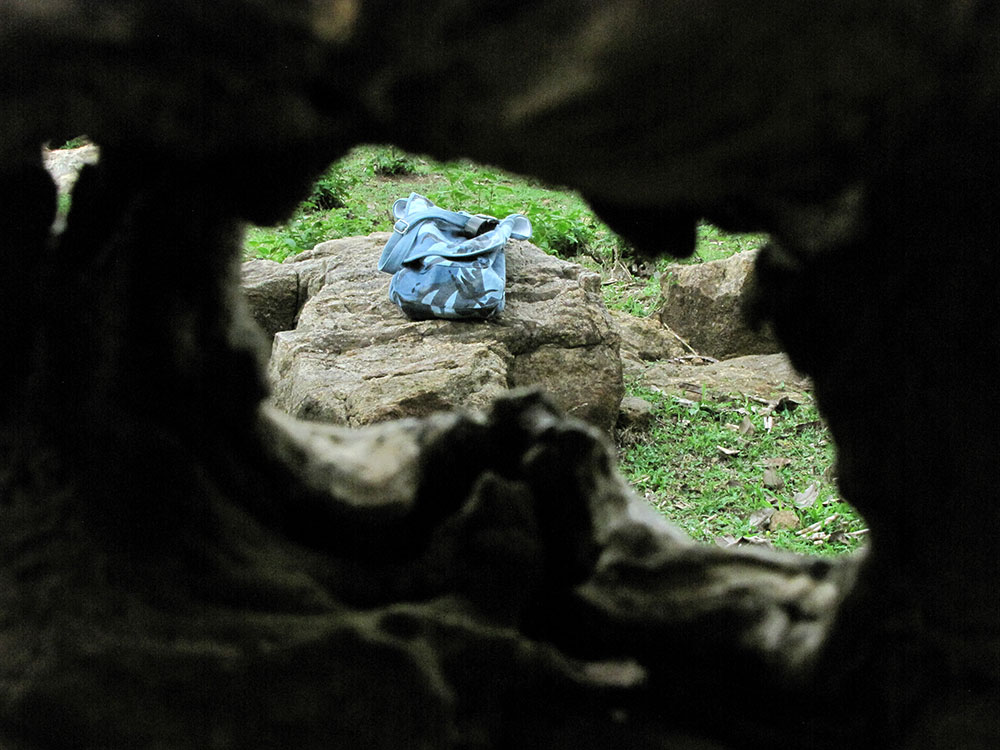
x=170, y=577
x=766, y=376
x=643, y=340
x=772, y=479
x=646, y=339
x=64, y=164
x=704, y=304
x=354, y=358
x=635, y=413
x=272, y=292
x=784, y=519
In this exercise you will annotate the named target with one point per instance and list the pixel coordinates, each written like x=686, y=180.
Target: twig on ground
x=815, y=527
x=691, y=357
x=684, y=343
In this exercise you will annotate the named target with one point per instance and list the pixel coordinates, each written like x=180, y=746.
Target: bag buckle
x=401, y=229
x=480, y=224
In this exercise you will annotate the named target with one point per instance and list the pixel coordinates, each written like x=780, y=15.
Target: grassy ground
x=728, y=472
x=742, y=472
x=356, y=193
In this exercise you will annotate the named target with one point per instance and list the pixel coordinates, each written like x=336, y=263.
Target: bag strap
x=469, y=224
x=520, y=226
x=395, y=252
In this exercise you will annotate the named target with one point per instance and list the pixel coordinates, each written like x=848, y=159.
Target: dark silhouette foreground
x=184, y=569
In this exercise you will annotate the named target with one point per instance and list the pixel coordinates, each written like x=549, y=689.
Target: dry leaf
x=727, y=452
x=777, y=463
x=806, y=498
x=761, y=519
x=743, y=541
x=773, y=480
x=750, y=541
x=746, y=427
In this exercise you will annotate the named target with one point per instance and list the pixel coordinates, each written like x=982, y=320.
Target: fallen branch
x=814, y=527
x=684, y=343
x=685, y=358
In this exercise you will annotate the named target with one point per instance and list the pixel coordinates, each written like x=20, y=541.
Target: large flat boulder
x=764, y=376
x=353, y=358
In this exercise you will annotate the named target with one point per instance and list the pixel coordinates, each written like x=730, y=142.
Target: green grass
x=639, y=299
x=678, y=465
x=702, y=465
x=715, y=244
x=356, y=193
x=77, y=142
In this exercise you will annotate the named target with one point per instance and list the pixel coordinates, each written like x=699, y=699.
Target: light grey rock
x=64, y=164
x=354, y=358
x=646, y=339
x=635, y=413
x=765, y=376
x=272, y=294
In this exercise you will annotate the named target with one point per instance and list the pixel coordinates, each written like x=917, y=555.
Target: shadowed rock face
x=705, y=304
x=182, y=568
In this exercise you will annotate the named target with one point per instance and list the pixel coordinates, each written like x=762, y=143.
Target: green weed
x=331, y=191
x=389, y=162
x=639, y=300
x=77, y=142
x=705, y=467
x=713, y=243
x=356, y=194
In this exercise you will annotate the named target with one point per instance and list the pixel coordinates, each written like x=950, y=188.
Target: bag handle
x=515, y=226
x=398, y=249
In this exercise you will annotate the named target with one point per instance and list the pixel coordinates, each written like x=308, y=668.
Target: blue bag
x=448, y=264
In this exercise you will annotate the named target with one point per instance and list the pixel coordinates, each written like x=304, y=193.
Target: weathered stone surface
x=65, y=164
x=272, y=293
x=176, y=572
x=643, y=340
x=705, y=303
x=646, y=339
x=766, y=376
x=635, y=413
x=354, y=358
x=784, y=519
